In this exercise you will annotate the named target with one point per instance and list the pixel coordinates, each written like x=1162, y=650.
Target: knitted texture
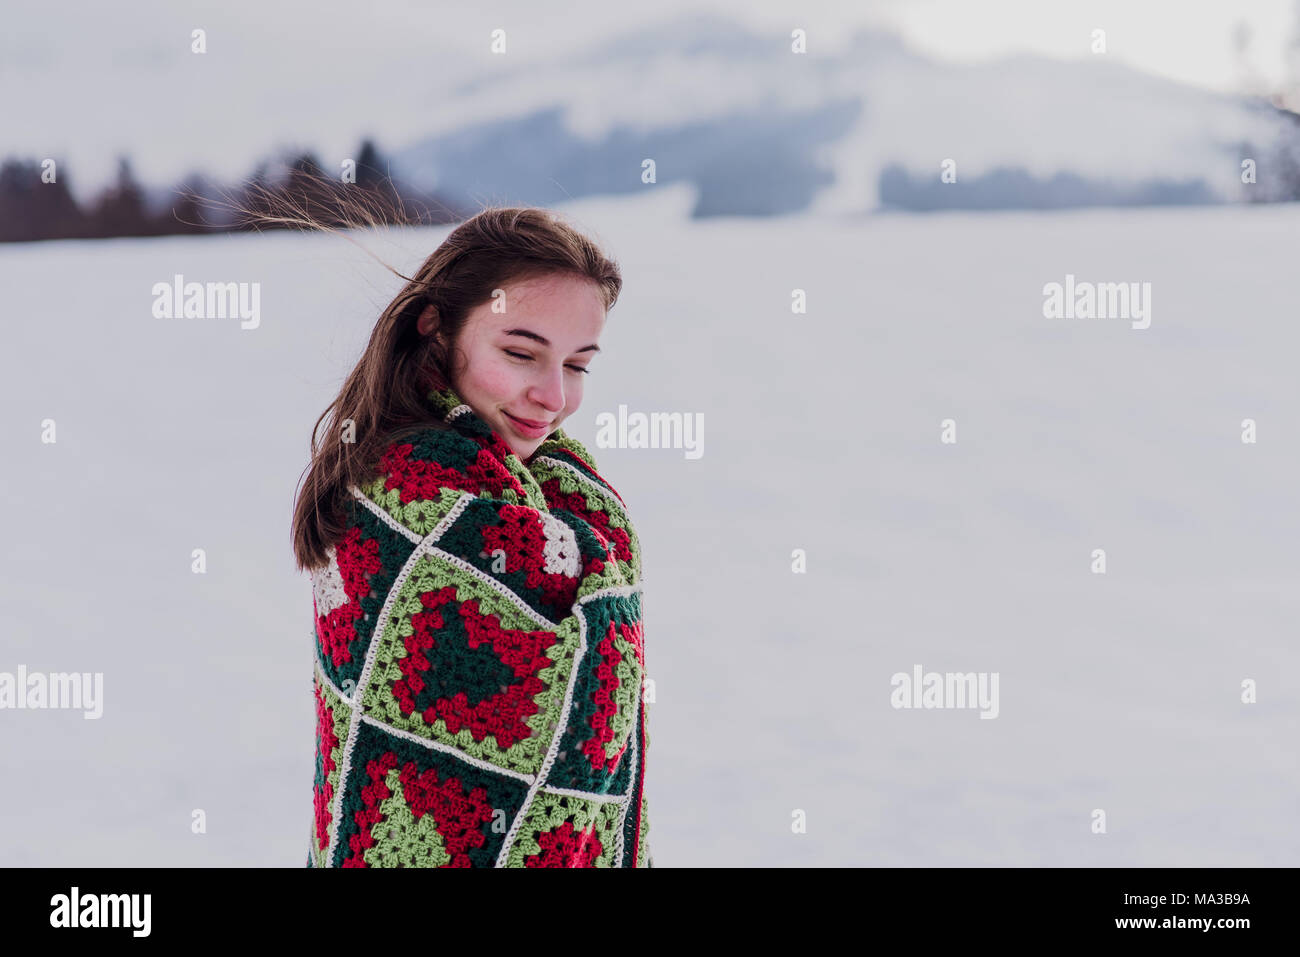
x=479, y=660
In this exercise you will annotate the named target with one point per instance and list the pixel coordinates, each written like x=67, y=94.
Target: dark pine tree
x=31, y=209
x=120, y=209
x=374, y=179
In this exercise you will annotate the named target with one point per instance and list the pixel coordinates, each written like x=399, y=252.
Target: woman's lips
x=527, y=426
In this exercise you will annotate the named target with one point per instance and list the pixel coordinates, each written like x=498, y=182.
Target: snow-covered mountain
x=759, y=130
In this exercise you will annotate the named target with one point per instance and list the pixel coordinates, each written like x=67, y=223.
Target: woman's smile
x=528, y=427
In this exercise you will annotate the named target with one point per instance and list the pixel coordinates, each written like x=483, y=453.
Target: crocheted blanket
x=479, y=662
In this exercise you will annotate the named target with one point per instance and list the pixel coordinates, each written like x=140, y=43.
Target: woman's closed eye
x=528, y=358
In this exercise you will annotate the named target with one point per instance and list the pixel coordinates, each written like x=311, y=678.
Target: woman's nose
x=549, y=391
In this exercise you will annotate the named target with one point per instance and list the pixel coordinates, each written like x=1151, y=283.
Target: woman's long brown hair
x=385, y=396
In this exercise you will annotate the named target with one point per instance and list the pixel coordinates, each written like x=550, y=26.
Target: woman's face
x=520, y=369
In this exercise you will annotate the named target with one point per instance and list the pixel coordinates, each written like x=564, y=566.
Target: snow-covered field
x=1119, y=692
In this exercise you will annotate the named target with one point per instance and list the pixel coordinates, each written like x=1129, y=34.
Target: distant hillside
x=762, y=131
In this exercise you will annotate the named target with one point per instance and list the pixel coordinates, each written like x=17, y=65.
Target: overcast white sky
x=98, y=79
x=1188, y=40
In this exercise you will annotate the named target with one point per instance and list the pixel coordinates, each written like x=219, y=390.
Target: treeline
x=31, y=209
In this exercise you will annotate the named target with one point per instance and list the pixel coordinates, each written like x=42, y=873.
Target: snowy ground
x=1118, y=691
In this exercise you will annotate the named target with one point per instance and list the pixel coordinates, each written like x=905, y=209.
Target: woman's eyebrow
x=528, y=334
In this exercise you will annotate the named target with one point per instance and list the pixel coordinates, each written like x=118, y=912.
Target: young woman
x=477, y=583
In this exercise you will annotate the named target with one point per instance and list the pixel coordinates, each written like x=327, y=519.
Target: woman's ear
x=428, y=319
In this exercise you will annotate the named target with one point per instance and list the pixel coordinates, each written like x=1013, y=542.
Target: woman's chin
x=524, y=450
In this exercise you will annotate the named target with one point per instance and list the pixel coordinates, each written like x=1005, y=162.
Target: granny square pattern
x=479, y=661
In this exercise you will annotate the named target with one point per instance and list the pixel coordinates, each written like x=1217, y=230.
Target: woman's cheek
x=503, y=379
